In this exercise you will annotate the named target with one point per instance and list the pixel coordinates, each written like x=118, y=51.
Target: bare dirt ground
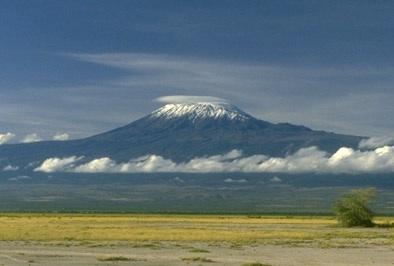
x=41, y=253
x=87, y=239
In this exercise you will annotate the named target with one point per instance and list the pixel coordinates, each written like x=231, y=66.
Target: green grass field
x=232, y=230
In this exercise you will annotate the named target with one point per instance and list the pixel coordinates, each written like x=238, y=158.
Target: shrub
x=352, y=208
x=114, y=258
x=197, y=259
x=256, y=264
x=199, y=250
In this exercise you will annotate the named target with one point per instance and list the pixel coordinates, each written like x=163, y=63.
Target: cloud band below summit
x=306, y=160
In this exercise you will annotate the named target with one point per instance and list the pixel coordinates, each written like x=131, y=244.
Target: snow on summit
x=201, y=110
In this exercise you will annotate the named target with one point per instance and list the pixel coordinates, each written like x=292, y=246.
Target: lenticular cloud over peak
x=190, y=99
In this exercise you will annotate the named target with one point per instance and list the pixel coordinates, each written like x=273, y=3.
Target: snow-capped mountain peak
x=200, y=111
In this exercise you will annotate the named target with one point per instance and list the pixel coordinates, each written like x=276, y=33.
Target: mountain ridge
x=183, y=131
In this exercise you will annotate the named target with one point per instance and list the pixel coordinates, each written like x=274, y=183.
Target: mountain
x=181, y=132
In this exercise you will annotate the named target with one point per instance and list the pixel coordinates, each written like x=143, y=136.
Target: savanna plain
x=171, y=239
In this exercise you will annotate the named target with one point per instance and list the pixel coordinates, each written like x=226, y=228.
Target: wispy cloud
x=19, y=178
x=300, y=95
x=328, y=98
x=239, y=181
x=307, y=160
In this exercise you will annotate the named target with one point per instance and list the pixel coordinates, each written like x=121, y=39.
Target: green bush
x=352, y=208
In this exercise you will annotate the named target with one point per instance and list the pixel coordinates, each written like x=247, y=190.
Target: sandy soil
x=22, y=253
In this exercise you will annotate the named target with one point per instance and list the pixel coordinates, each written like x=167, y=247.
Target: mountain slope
x=181, y=132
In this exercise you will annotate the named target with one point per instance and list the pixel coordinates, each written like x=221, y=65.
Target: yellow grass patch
x=65, y=227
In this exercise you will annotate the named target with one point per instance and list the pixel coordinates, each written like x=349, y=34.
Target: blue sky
x=82, y=67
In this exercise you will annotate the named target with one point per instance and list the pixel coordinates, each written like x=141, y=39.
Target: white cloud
x=307, y=160
x=375, y=142
x=31, y=138
x=10, y=168
x=58, y=164
x=230, y=180
x=98, y=165
x=18, y=178
x=61, y=137
x=6, y=137
x=276, y=179
x=178, y=179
